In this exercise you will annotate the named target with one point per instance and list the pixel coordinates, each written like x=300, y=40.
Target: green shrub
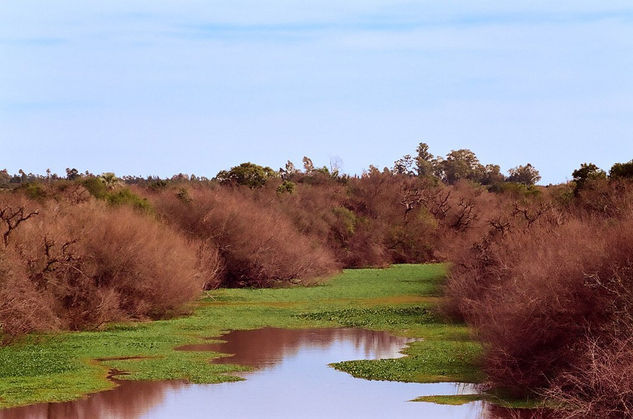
x=34, y=191
x=347, y=219
x=515, y=189
x=157, y=185
x=248, y=174
x=127, y=197
x=96, y=187
x=286, y=187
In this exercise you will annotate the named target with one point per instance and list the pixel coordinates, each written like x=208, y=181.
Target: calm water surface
x=292, y=380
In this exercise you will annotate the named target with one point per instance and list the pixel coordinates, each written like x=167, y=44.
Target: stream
x=291, y=379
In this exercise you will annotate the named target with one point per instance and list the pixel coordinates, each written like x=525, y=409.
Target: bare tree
x=500, y=226
x=531, y=216
x=464, y=215
x=437, y=202
x=411, y=198
x=63, y=255
x=12, y=218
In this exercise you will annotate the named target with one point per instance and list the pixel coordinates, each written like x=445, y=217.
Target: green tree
x=248, y=174
x=492, y=175
x=622, y=170
x=404, y=166
x=587, y=172
x=424, y=161
x=527, y=175
x=462, y=164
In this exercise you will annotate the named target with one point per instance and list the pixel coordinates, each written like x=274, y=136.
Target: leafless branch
x=12, y=218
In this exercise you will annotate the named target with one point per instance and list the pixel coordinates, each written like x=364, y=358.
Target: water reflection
x=266, y=347
x=292, y=380
x=130, y=400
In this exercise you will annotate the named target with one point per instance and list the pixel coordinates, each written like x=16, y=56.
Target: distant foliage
x=286, y=187
x=527, y=175
x=622, y=170
x=125, y=196
x=461, y=164
x=587, y=174
x=110, y=189
x=247, y=174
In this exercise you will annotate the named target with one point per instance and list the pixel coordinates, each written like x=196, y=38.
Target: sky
x=142, y=87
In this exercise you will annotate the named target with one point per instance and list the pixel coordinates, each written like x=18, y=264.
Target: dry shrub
x=373, y=220
x=394, y=224
x=77, y=266
x=603, y=198
x=259, y=246
x=600, y=384
x=540, y=284
x=326, y=213
x=22, y=307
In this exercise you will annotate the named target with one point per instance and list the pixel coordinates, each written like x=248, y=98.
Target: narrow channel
x=291, y=379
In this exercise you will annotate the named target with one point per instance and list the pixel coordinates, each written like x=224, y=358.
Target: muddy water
x=291, y=380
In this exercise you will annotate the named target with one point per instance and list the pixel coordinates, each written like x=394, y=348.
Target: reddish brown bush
x=259, y=246
x=22, y=307
x=374, y=220
x=540, y=284
x=76, y=266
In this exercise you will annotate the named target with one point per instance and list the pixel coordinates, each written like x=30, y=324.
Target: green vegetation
x=127, y=197
x=451, y=400
x=107, y=187
x=499, y=401
x=430, y=360
x=401, y=299
x=248, y=174
x=622, y=170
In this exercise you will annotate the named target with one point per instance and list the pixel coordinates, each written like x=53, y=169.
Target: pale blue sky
x=148, y=87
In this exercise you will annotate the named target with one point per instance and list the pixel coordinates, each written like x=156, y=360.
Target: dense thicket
x=76, y=265
x=258, y=246
x=548, y=286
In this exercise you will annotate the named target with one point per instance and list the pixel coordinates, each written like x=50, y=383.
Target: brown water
x=292, y=380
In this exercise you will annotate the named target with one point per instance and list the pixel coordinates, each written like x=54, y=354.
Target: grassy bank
x=400, y=299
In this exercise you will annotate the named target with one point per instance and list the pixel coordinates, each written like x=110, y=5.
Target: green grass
x=401, y=299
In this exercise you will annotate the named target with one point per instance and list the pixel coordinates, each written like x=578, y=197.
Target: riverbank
x=401, y=299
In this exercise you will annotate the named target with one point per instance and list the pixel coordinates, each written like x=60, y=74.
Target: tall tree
x=404, y=166
x=462, y=164
x=527, y=175
x=492, y=175
x=424, y=161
